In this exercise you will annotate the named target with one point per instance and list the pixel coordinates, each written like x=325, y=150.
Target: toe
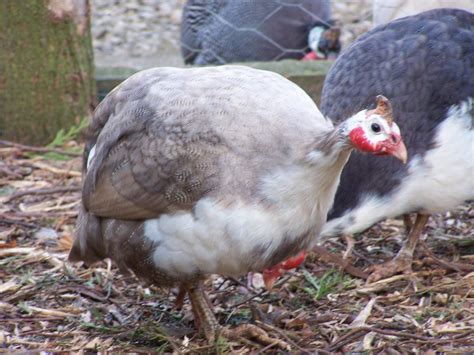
x=393, y=267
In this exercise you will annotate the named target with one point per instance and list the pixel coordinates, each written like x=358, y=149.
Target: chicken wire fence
x=146, y=33
x=189, y=51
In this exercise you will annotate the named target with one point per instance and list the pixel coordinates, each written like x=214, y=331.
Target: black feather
x=424, y=64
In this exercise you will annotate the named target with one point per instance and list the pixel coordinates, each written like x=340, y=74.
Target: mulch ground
x=50, y=305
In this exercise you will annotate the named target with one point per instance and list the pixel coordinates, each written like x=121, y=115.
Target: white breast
x=223, y=238
x=214, y=239
x=437, y=182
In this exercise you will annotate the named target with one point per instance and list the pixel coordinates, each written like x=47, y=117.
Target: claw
x=400, y=264
x=253, y=332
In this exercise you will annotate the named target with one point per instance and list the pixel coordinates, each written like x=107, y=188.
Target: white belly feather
x=214, y=239
x=222, y=239
x=437, y=182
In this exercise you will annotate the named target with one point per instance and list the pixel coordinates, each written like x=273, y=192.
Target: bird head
x=323, y=41
x=271, y=275
x=374, y=131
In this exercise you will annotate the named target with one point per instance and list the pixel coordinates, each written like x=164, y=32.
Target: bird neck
x=304, y=191
x=331, y=147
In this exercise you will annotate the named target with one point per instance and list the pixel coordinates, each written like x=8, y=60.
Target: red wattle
x=360, y=141
x=310, y=56
x=293, y=262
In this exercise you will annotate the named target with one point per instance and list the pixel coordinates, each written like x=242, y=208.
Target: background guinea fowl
x=224, y=31
x=425, y=65
x=189, y=172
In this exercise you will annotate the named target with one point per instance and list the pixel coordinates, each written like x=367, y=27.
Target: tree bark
x=46, y=68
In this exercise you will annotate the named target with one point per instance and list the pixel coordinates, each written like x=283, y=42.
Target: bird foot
x=400, y=264
x=178, y=303
x=254, y=333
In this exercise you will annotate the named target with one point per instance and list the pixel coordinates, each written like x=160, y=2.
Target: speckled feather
x=424, y=64
x=169, y=133
x=183, y=165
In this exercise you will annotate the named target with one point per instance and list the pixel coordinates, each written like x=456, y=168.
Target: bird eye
x=375, y=127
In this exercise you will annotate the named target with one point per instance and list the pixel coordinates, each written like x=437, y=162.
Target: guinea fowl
x=425, y=64
x=219, y=31
x=190, y=172
x=384, y=11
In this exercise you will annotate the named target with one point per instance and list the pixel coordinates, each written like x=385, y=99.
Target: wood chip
x=51, y=312
x=361, y=319
x=11, y=285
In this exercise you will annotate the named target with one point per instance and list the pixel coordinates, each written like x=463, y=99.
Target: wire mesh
x=203, y=16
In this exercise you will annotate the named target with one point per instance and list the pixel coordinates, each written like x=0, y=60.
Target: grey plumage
x=166, y=138
x=190, y=172
x=226, y=31
x=424, y=64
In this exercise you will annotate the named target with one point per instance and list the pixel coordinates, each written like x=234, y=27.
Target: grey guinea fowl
x=190, y=172
x=425, y=64
x=229, y=31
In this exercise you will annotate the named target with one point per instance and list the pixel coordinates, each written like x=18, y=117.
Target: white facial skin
x=374, y=134
x=313, y=39
x=376, y=129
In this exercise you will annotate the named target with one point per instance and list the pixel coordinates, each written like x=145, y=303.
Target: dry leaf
x=368, y=340
x=10, y=244
x=296, y=323
x=11, y=285
x=361, y=319
x=65, y=242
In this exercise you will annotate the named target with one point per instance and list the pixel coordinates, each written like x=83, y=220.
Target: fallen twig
x=326, y=256
x=52, y=169
x=42, y=192
x=418, y=337
x=38, y=149
x=346, y=339
x=38, y=214
x=445, y=264
x=6, y=171
x=9, y=221
x=283, y=334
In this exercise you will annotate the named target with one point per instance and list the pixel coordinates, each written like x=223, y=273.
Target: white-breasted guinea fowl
x=190, y=172
x=425, y=64
x=221, y=31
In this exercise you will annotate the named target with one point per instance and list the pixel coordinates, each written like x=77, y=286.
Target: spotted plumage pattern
x=159, y=144
x=196, y=171
x=425, y=65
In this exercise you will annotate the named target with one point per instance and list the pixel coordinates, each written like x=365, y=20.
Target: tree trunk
x=46, y=68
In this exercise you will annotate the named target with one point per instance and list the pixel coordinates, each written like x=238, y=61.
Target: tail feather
x=88, y=244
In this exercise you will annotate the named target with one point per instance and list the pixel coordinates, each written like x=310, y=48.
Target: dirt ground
x=50, y=305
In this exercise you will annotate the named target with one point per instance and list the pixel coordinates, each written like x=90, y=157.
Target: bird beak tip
x=269, y=283
x=401, y=153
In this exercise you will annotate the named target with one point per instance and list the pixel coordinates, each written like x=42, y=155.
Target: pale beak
x=270, y=282
x=400, y=152
x=270, y=276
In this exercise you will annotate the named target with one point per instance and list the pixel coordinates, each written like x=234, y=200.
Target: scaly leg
x=203, y=314
x=205, y=320
x=404, y=259
x=180, y=297
x=408, y=223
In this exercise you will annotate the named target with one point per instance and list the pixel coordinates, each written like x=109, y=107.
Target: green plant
x=222, y=346
x=328, y=283
x=64, y=136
